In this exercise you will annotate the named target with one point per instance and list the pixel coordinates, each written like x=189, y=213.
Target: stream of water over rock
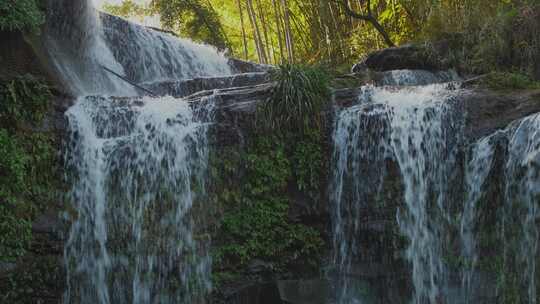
x=137, y=165
x=401, y=150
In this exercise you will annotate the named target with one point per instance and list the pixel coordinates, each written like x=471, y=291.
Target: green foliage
x=13, y=162
x=256, y=224
x=20, y=15
x=16, y=234
x=508, y=80
x=493, y=35
x=27, y=161
x=24, y=100
x=297, y=100
x=308, y=161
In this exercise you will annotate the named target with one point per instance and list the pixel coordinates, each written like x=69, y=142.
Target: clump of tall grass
x=297, y=100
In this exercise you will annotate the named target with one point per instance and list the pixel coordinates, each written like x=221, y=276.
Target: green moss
x=20, y=15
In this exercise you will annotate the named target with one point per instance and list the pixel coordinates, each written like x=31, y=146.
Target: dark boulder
x=429, y=57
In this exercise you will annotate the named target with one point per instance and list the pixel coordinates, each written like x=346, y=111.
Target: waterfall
x=148, y=55
x=80, y=41
x=134, y=166
x=476, y=175
x=519, y=167
x=523, y=188
x=417, y=129
x=77, y=51
x=360, y=151
x=469, y=211
x=425, y=141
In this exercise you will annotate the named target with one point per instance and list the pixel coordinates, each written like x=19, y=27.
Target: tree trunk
x=278, y=28
x=244, y=40
x=256, y=32
x=288, y=34
x=264, y=25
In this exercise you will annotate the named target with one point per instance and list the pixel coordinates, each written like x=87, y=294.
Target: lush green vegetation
x=27, y=160
x=20, y=15
x=484, y=35
x=509, y=81
x=257, y=187
x=297, y=100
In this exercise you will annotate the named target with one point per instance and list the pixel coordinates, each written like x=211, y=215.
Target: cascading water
x=77, y=50
x=476, y=174
x=518, y=170
x=523, y=189
x=135, y=164
x=359, y=155
x=417, y=77
x=81, y=42
x=148, y=55
x=470, y=214
x=417, y=129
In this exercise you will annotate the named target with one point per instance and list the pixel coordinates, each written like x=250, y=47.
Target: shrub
x=494, y=35
x=20, y=15
x=297, y=100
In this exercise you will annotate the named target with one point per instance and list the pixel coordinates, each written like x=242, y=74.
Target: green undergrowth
x=255, y=199
x=258, y=185
x=20, y=15
x=27, y=162
x=509, y=81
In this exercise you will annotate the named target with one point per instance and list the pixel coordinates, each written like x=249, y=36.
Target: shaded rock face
x=17, y=56
x=192, y=86
x=488, y=111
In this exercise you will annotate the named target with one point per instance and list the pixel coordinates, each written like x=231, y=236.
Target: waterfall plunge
x=449, y=196
x=417, y=129
x=135, y=165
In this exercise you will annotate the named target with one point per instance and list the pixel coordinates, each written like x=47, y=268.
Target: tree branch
x=369, y=18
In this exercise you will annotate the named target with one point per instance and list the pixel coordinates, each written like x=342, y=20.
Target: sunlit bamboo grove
x=332, y=32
